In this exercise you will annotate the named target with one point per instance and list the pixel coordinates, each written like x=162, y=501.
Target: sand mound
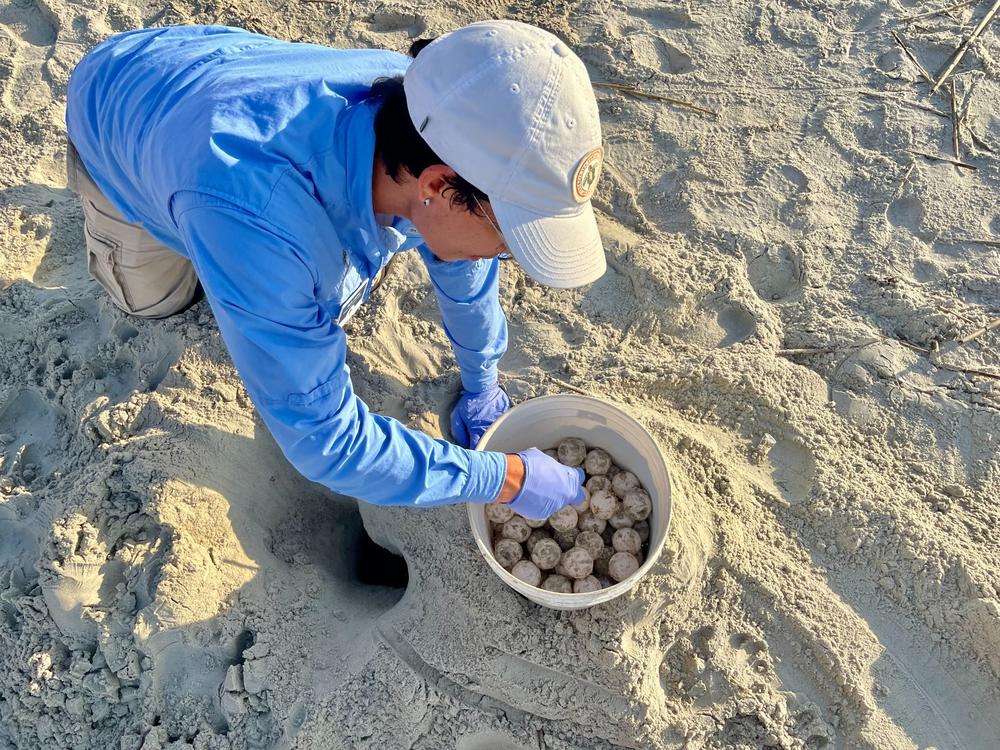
x=787, y=282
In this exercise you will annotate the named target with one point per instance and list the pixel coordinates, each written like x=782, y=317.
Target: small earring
x=427, y=201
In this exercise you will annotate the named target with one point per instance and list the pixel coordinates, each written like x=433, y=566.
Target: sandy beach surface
x=792, y=282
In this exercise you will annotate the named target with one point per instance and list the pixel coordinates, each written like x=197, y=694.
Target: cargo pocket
x=101, y=265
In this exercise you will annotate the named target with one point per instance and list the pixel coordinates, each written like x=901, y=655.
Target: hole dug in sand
x=331, y=536
x=377, y=566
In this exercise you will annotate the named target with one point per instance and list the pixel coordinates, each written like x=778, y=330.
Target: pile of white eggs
x=584, y=547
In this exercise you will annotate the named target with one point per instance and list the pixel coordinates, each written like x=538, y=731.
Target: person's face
x=453, y=232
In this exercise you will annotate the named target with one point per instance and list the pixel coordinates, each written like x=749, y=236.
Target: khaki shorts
x=143, y=277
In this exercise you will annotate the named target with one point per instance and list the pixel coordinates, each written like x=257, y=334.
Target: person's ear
x=433, y=181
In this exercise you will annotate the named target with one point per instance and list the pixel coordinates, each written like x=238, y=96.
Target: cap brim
x=558, y=251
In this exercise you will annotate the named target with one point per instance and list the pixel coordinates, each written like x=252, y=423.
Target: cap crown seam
x=542, y=109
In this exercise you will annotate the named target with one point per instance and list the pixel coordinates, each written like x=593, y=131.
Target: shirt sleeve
x=292, y=358
x=468, y=295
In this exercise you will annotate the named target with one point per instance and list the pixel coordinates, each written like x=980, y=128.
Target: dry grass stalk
x=913, y=59
x=639, y=93
x=568, y=386
x=967, y=101
x=995, y=323
x=978, y=241
x=830, y=349
x=957, y=313
x=914, y=347
x=956, y=125
x=902, y=182
x=940, y=11
x=959, y=53
x=967, y=370
x=980, y=143
x=956, y=162
x=806, y=350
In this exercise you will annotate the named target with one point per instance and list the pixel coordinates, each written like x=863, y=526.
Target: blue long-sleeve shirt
x=253, y=158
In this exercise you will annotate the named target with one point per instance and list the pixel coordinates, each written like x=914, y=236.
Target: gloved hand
x=475, y=412
x=548, y=486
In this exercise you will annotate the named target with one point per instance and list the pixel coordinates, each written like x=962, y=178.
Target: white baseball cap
x=510, y=108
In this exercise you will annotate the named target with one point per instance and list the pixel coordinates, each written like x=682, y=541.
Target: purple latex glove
x=475, y=412
x=548, y=486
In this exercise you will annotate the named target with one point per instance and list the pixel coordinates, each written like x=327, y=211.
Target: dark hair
x=400, y=145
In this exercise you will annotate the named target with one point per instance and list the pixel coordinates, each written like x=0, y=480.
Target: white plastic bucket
x=542, y=423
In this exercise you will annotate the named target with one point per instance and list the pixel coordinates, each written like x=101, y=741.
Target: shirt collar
x=355, y=150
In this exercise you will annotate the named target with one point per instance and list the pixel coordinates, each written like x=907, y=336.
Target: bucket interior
x=542, y=423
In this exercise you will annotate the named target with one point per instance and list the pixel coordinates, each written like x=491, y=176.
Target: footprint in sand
x=136, y=368
x=72, y=587
x=751, y=653
x=687, y=668
x=786, y=196
x=184, y=681
x=789, y=179
x=793, y=468
x=672, y=59
x=27, y=436
x=664, y=16
x=737, y=324
x=660, y=55
x=775, y=271
x=27, y=34
x=392, y=17
x=123, y=331
x=155, y=364
x=722, y=325
x=870, y=129
x=906, y=212
x=748, y=643
x=155, y=544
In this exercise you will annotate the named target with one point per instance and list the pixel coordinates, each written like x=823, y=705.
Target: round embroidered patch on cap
x=586, y=174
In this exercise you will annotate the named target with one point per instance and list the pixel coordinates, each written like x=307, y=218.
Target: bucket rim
x=573, y=601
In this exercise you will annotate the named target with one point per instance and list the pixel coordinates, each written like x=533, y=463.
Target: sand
x=788, y=280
